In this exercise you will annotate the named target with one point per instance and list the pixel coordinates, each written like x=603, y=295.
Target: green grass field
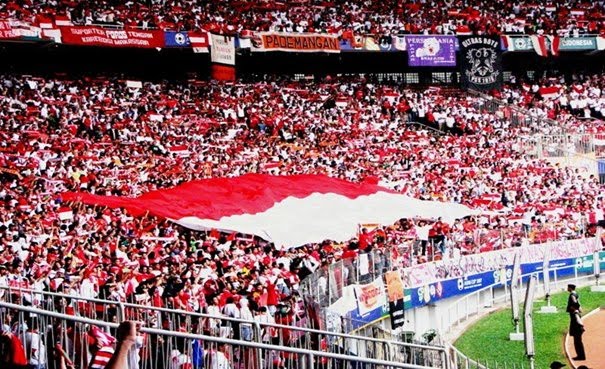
x=487, y=340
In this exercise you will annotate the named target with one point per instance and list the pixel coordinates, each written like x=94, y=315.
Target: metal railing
x=489, y=299
x=518, y=117
x=366, y=344
x=54, y=339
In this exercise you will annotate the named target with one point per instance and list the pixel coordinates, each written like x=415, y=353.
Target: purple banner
x=431, y=51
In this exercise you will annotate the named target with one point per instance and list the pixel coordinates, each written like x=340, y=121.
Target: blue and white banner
x=176, y=39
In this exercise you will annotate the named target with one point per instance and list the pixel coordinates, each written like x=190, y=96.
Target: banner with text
x=480, y=63
x=567, y=256
x=222, y=49
x=477, y=263
x=524, y=43
x=295, y=42
x=431, y=51
x=11, y=29
x=370, y=296
x=97, y=36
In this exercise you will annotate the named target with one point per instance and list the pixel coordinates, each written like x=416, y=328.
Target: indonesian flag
x=104, y=354
x=342, y=101
x=131, y=286
x=199, y=41
x=549, y=93
x=543, y=45
x=578, y=88
x=65, y=213
x=180, y=150
x=63, y=21
x=289, y=211
x=539, y=43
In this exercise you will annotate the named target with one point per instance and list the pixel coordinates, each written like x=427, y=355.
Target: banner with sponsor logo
x=574, y=256
x=370, y=296
x=396, y=297
x=97, y=36
x=222, y=49
x=295, y=42
x=477, y=263
x=431, y=51
x=480, y=63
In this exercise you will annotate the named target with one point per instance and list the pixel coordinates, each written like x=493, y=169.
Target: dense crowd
x=100, y=136
x=565, y=18
x=577, y=105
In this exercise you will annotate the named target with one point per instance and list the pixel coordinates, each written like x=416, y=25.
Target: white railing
x=253, y=331
x=162, y=348
x=489, y=299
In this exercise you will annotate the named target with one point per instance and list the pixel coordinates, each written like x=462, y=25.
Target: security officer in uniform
x=576, y=327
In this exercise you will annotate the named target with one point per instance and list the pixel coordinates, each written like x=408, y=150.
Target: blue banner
x=421, y=296
x=176, y=39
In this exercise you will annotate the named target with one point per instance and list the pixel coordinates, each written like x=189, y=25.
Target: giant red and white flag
x=289, y=211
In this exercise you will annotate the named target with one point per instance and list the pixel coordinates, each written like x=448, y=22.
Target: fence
x=518, y=118
x=488, y=299
x=54, y=339
x=368, y=344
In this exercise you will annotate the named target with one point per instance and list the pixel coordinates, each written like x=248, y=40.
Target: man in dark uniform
x=576, y=327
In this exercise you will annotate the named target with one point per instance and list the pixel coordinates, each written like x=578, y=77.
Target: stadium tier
x=334, y=17
x=231, y=169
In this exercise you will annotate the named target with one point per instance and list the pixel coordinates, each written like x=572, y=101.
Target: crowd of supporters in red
x=100, y=136
x=568, y=17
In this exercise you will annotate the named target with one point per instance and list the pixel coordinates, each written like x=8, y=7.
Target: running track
x=594, y=342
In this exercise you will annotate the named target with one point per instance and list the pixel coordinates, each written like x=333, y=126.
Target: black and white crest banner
x=481, y=63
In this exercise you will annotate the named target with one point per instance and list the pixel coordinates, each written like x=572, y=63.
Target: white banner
x=433, y=272
x=222, y=49
x=370, y=296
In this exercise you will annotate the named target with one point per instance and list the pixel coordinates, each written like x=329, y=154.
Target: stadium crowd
x=577, y=105
x=100, y=136
x=569, y=17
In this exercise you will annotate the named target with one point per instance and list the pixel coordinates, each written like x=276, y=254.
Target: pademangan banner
x=295, y=42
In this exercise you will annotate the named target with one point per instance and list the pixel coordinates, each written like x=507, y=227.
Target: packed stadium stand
x=102, y=101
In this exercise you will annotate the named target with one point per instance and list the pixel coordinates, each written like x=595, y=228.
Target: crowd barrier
x=367, y=343
x=518, y=117
x=61, y=339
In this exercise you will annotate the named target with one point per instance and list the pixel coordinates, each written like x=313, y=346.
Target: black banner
x=396, y=296
x=481, y=63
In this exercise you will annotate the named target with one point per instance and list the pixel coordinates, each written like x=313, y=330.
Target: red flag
x=272, y=295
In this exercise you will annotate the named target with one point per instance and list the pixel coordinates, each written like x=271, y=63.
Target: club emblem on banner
x=481, y=63
x=180, y=38
x=482, y=66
